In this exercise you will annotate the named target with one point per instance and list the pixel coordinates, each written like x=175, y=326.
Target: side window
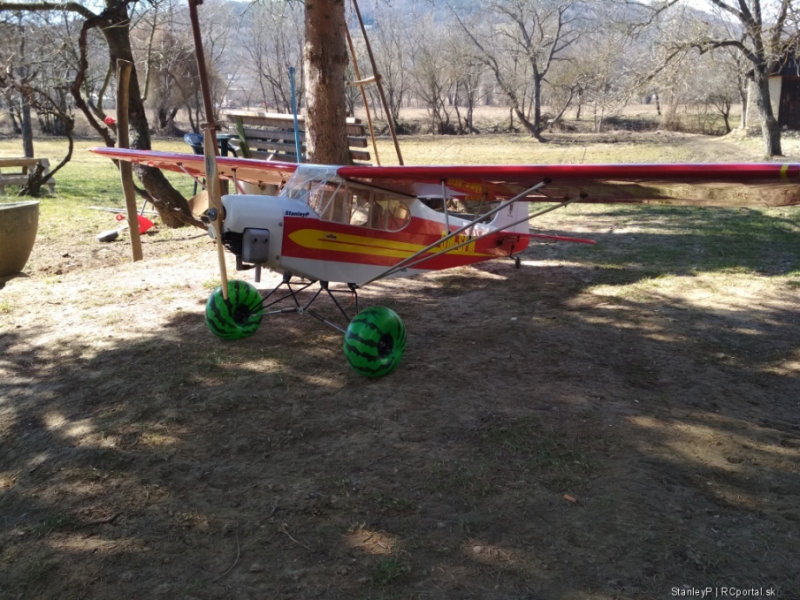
x=362, y=206
x=335, y=206
x=389, y=215
x=376, y=211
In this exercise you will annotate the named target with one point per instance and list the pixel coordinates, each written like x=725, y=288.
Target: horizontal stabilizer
x=561, y=238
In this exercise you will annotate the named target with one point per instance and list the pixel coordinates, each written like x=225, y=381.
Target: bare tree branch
x=47, y=6
x=75, y=89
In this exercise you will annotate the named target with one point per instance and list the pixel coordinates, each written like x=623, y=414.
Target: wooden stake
x=215, y=200
x=125, y=168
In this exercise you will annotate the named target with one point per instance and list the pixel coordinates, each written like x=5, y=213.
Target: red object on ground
x=144, y=222
x=109, y=121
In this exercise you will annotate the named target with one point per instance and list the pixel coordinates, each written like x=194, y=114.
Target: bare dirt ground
x=586, y=426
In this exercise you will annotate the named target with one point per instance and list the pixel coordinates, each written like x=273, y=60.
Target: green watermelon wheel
x=375, y=341
x=237, y=317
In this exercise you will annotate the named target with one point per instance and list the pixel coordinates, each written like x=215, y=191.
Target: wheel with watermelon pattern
x=375, y=341
x=237, y=317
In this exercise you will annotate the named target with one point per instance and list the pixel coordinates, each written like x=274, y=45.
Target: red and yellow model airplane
x=357, y=224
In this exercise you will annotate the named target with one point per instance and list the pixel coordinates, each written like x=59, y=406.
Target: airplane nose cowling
x=253, y=227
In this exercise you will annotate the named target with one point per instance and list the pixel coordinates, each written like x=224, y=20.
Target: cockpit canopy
x=344, y=202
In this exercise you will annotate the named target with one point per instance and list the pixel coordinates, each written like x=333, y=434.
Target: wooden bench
x=14, y=171
x=270, y=136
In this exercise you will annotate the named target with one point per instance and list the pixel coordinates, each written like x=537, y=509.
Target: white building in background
x=784, y=93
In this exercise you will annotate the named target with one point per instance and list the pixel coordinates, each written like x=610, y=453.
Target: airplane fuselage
x=325, y=229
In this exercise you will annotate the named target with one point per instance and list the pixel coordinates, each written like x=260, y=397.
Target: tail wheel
x=375, y=341
x=237, y=317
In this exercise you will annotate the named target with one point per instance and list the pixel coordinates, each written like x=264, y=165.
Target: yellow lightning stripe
x=785, y=172
x=357, y=244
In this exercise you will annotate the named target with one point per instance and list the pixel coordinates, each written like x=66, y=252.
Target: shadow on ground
x=538, y=441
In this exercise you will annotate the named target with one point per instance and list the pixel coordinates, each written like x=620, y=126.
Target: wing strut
x=237, y=185
x=197, y=180
x=444, y=207
x=404, y=263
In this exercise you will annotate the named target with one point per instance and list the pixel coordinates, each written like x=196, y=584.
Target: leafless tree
x=531, y=32
x=17, y=63
x=468, y=75
x=352, y=93
x=162, y=36
x=46, y=105
x=722, y=83
x=390, y=43
x=762, y=32
x=112, y=22
x=432, y=73
x=271, y=37
x=602, y=75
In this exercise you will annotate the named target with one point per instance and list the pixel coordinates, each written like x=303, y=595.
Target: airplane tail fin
x=511, y=214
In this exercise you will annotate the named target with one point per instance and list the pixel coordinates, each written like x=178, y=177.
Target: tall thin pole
x=123, y=141
x=213, y=184
x=363, y=97
x=298, y=147
x=201, y=64
x=378, y=82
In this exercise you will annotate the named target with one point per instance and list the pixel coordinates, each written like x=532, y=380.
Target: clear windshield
x=306, y=177
x=341, y=202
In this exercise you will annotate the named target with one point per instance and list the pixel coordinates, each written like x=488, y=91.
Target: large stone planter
x=18, y=224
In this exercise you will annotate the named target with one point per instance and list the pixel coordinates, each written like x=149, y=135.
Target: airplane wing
x=728, y=184
x=746, y=184
x=245, y=169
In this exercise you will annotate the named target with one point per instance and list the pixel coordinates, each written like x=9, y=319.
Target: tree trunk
x=15, y=127
x=195, y=128
x=37, y=177
x=166, y=199
x=33, y=187
x=536, y=123
x=27, y=129
x=114, y=25
x=161, y=118
x=770, y=131
x=25, y=106
x=324, y=65
x=743, y=98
